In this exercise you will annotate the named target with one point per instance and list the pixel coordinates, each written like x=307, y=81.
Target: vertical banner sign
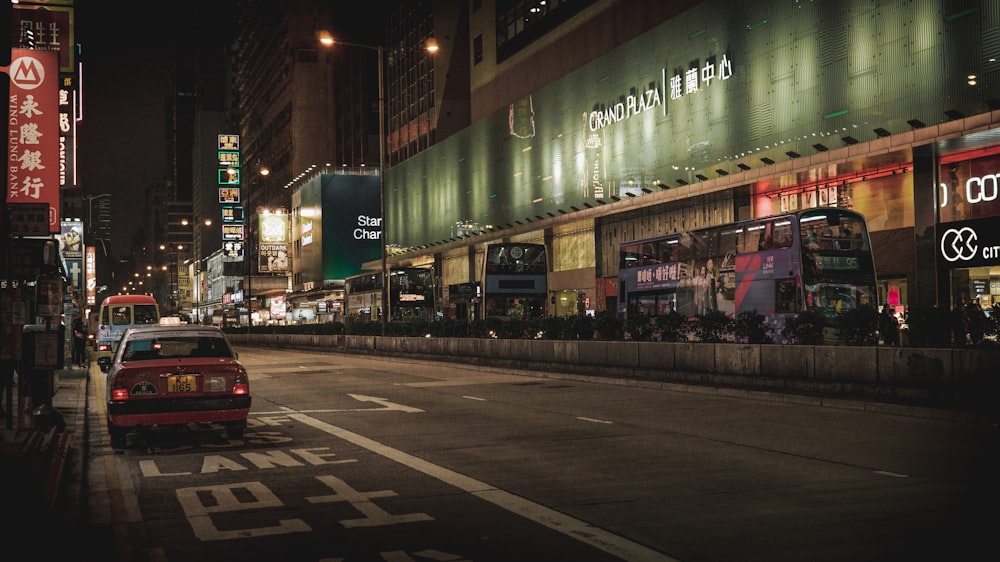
x=229, y=168
x=229, y=193
x=90, y=273
x=67, y=135
x=71, y=246
x=33, y=143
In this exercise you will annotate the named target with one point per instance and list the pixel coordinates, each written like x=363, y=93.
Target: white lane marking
x=559, y=522
x=384, y=406
x=465, y=380
x=595, y=420
x=893, y=474
x=474, y=398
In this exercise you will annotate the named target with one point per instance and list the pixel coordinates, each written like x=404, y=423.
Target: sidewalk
x=42, y=470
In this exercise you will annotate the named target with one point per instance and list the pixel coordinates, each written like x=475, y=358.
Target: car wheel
x=235, y=430
x=119, y=437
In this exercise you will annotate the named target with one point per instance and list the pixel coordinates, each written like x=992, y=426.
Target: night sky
x=128, y=52
x=127, y=55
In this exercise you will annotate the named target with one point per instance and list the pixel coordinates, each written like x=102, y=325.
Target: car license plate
x=181, y=383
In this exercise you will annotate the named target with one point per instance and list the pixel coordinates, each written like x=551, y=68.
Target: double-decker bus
x=411, y=295
x=515, y=280
x=816, y=258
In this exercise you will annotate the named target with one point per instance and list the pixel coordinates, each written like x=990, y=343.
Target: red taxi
x=170, y=375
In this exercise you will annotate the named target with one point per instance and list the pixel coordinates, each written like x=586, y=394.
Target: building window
x=520, y=22
x=477, y=49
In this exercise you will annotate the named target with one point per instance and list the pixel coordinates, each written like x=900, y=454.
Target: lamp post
x=381, y=190
x=250, y=249
x=327, y=40
x=90, y=209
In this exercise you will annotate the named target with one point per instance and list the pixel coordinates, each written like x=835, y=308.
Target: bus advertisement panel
x=812, y=259
x=515, y=280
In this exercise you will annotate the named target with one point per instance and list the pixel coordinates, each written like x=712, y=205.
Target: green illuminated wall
x=802, y=73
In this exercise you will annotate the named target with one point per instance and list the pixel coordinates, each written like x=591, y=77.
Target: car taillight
x=118, y=389
x=104, y=347
x=242, y=384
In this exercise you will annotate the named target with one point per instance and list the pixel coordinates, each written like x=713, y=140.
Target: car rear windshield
x=175, y=347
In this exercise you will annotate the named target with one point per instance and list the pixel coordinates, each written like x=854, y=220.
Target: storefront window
x=969, y=189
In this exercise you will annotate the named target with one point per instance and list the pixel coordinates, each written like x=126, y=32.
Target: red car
x=170, y=375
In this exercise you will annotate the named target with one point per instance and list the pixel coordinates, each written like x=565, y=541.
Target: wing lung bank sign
x=973, y=243
x=33, y=137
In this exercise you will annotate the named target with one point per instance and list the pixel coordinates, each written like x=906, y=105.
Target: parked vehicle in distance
x=411, y=295
x=118, y=313
x=514, y=281
x=175, y=374
x=92, y=318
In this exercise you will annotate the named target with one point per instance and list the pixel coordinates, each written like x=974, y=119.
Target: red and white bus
x=118, y=313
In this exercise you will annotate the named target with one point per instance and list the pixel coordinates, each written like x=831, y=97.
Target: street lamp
x=196, y=251
x=251, y=239
x=327, y=40
x=90, y=209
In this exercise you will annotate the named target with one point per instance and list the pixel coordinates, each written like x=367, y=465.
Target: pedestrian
x=976, y=319
x=959, y=324
x=888, y=326
x=79, y=342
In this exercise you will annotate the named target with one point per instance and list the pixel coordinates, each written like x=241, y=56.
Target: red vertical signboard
x=90, y=275
x=33, y=135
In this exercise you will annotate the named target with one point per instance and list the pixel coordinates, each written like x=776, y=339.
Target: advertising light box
x=351, y=223
x=232, y=213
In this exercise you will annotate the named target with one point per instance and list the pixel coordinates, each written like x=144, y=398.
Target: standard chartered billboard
x=338, y=225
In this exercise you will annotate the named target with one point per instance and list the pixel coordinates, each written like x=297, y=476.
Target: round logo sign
x=27, y=73
x=959, y=244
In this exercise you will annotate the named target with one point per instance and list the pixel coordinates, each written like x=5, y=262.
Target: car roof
x=182, y=330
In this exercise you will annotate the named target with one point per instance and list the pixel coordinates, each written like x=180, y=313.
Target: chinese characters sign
x=232, y=214
x=682, y=83
x=229, y=142
x=229, y=159
x=52, y=27
x=33, y=116
x=229, y=187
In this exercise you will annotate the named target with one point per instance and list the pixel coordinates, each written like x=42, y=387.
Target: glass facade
x=696, y=97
